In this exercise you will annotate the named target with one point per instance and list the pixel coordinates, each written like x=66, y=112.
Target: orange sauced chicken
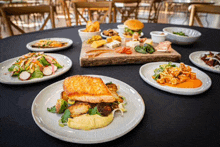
x=182, y=76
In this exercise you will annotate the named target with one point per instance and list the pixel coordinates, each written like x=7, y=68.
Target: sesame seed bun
x=134, y=24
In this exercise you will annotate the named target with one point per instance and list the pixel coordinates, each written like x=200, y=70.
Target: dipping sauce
x=195, y=83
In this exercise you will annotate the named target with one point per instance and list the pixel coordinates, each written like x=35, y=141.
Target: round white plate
x=121, y=125
x=29, y=47
x=195, y=59
x=6, y=78
x=147, y=71
x=121, y=35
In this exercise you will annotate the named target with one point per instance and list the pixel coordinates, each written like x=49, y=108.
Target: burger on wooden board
x=132, y=26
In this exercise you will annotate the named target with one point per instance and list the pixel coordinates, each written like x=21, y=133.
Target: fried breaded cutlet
x=79, y=108
x=87, y=89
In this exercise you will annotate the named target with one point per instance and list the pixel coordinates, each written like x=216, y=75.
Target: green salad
x=180, y=33
x=34, y=65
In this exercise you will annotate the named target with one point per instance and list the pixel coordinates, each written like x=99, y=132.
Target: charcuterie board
x=105, y=56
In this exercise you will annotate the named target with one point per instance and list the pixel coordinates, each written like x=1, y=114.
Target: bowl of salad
x=182, y=36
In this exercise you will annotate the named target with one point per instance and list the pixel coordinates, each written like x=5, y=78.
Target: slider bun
x=134, y=24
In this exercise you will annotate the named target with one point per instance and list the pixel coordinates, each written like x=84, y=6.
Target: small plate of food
x=109, y=33
x=33, y=68
x=181, y=36
x=133, y=26
x=91, y=29
x=208, y=60
x=49, y=44
x=88, y=109
x=176, y=78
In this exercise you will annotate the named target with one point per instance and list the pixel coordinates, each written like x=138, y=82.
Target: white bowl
x=193, y=35
x=158, y=36
x=86, y=35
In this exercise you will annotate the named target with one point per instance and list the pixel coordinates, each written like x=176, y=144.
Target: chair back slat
x=91, y=6
x=195, y=9
x=126, y=1
x=7, y=12
x=26, y=10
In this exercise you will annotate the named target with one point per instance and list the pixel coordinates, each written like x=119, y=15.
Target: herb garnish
x=52, y=109
x=94, y=111
x=65, y=116
x=161, y=68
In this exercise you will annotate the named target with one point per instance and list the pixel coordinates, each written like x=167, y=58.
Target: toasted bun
x=134, y=24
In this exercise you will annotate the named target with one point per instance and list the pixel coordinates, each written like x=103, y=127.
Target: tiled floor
x=210, y=21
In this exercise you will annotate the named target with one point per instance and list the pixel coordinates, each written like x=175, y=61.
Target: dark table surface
x=169, y=120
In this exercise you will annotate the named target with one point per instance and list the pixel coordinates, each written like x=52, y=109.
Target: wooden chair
x=92, y=6
x=130, y=9
x=155, y=6
x=195, y=9
x=66, y=10
x=11, y=11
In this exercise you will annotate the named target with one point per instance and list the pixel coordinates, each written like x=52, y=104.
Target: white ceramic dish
x=69, y=41
x=158, y=36
x=121, y=35
x=86, y=35
x=104, y=36
x=147, y=71
x=6, y=78
x=195, y=59
x=193, y=35
x=121, y=125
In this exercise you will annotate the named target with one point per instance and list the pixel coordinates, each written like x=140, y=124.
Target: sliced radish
x=24, y=76
x=55, y=68
x=47, y=71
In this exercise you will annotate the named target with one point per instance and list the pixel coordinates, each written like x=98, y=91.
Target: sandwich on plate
x=88, y=103
x=132, y=27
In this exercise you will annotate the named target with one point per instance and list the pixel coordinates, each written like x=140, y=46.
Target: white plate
x=8, y=79
x=29, y=45
x=121, y=35
x=121, y=125
x=147, y=71
x=195, y=59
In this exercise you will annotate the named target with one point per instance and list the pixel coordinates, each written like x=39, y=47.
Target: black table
x=169, y=120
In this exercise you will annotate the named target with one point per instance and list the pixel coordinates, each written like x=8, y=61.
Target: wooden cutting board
x=110, y=57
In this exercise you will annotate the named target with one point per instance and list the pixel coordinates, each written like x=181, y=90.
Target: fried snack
x=92, y=27
x=79, y=108
x=110, y=32
x=96, y=25
x=89, y=23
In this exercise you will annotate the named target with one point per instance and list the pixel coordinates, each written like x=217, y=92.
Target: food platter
x=6, y=78
x=195, y=59
x=104, y=36
x=69, y=43
x=121, y=125
x=113, y=58
x=147, y=71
